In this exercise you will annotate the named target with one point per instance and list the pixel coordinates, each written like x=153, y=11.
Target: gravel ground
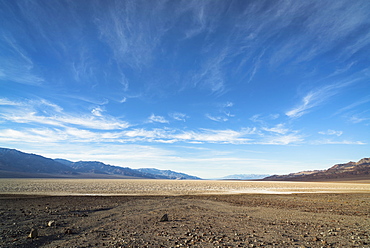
x=239, y=220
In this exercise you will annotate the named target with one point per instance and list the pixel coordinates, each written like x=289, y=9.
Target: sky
x=208, y=88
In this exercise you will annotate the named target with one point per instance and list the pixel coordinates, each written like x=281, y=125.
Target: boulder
x=33, y=234
x=164, y=218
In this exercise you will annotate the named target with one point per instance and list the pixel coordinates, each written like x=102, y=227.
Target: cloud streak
x=157, y=118
x=331, y=132
x=45, y=113
x=317, y=97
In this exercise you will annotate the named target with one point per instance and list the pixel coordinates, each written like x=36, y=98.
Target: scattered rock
x=33, y=234
x=164, y=218
x=68, y=231
x=52, y=223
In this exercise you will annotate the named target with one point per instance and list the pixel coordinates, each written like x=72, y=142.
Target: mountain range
x=349, y=171
x=17, y=164
x=244, y=177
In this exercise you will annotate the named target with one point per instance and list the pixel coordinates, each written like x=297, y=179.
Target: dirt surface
x=245, y=220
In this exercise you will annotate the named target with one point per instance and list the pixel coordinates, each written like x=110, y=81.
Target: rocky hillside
x=350, y=170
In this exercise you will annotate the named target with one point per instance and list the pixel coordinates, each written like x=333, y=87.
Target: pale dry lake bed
x=127, y=213
x=171, y=187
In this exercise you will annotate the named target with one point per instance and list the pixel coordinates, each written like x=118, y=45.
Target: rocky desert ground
x=210, y=218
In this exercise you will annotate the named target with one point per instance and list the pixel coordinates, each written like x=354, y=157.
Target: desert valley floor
x=127, y=213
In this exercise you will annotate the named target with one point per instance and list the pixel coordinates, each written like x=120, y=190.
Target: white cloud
x=354, y=105
x=263, y=119
x=179, y=116
x=288, y=139
x=228, y=104
x=97, y=111
x=217, y=136
x=201, y=136
x=211, y=76
x=18, y=67
x=47, y=113
x=217, y=118
x=157, y=118
x=11, y=135
x=6, y=102
x=307, y=103
x=104, y=123
x=357, y=119
x=336, y=142
x=331, y=132
x=277, y=129
x=317, y=97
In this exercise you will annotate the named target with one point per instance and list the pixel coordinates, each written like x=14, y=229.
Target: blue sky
x=209, y=88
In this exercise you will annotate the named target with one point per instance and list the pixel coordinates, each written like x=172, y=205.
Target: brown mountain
x=350, y=171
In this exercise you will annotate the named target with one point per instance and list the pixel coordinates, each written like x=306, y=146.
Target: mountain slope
x=96, y=167
x=19, y=162
x=168, y=174
x=350, y=170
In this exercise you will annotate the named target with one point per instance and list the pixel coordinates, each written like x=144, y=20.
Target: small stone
x=68, y=231
x=51, y=223
x=164, y=218
x=33, y=234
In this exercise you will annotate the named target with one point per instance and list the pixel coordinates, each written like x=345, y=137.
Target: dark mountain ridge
x=14, y=163
x=351, y=170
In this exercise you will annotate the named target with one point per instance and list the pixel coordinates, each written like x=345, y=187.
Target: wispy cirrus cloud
x=217, y=118
x=46, y=113
x=212, y=74
x=16, y=65
x=179, y=116
x=217, y=136
x=263, y=119
x=357, y=118
x=331, y=132
x=7, y=102
x=223, y=112
x=337, y=142
x=157, y=118
x=280, y=129
x=133, y=29
x=286, y=139
x=317, y=97
x=354, y=105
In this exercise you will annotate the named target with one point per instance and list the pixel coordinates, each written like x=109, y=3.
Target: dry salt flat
x=171, y=187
